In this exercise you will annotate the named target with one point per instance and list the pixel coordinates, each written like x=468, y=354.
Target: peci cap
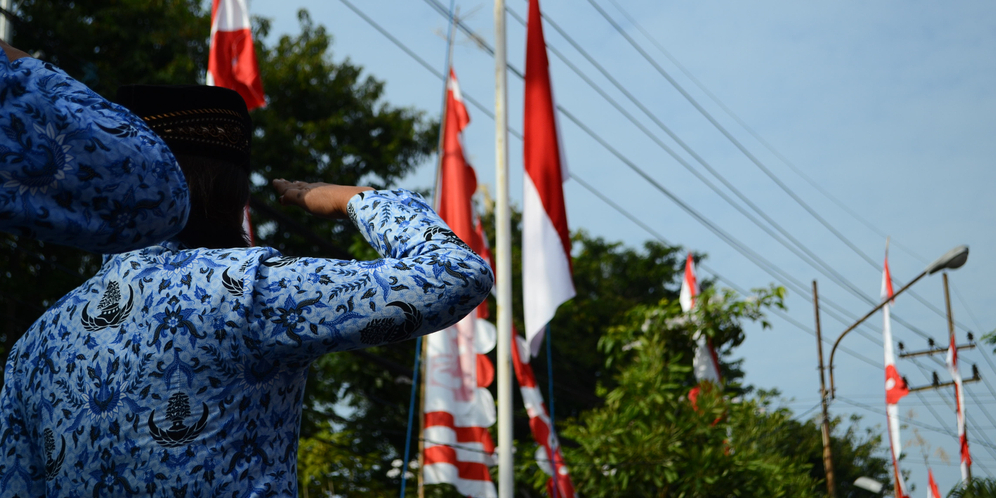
x=194, y=119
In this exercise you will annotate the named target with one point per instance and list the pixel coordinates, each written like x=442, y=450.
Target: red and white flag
x=895, y=386
x=705, y=363
x=952, y=361
x=232, y=63
x=232, y=58
x=559, y=485
x=546, y=242
x=458, y=408
x=932, y=491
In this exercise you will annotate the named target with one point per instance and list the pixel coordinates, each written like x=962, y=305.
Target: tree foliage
x=976, y=488
x=649, y=439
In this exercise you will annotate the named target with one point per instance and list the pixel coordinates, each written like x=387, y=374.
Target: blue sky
x=888, y=106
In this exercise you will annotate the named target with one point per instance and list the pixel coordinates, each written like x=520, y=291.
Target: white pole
x=503, y=260
x=4, y=22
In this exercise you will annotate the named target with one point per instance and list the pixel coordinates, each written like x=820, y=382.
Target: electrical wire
x=757, y=162
x=765, y=265
x=570, y=116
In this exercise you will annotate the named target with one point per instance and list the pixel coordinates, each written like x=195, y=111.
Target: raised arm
x=78, y=170
x=427, y=280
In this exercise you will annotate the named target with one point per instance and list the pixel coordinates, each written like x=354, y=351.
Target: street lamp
x=951, y=260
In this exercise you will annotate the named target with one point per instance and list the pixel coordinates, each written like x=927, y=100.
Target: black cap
x=194, y=119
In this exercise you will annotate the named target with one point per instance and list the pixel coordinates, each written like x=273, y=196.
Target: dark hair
x=219, y=191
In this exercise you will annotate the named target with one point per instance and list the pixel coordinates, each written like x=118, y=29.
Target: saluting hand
x=320, y=199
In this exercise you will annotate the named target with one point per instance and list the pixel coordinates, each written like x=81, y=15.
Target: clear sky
x=890, y=107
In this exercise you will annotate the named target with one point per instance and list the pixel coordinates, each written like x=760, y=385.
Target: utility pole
x=825, y=425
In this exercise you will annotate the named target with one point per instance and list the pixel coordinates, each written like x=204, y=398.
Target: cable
x=809, y=257
x=770, y=174
x=757, y=259
x=705, y=267
x=799, y=287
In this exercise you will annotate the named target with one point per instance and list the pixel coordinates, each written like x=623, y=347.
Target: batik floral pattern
x=78, y=170
x=182, y=370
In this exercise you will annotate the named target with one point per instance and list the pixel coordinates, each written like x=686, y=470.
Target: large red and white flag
x=952, y=361
x=546, y=242
x=932, y=491
x=232, y=57
x=458, y=408
x=895, y=386
x=559, y=485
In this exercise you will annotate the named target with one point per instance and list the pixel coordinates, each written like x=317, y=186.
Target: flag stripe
x=463, y=434
x=467, y=470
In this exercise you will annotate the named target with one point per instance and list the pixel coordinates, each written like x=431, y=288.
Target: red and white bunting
x=932, y=491
x=966, y=456
x=232, y=57
x=546, y=242
x=458, y=408
x=539, y=423
x=895, y=386
x=705, y=363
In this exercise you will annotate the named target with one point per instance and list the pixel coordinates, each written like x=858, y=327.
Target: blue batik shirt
x=78, y=170
x=181, y=372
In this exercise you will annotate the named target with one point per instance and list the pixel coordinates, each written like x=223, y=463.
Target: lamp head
x=951, y=260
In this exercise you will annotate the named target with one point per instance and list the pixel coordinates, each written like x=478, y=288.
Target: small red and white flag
x=559, y=485
x=705, y=363
x=232, y=64
x=689, y=285
x=458, y=408
x=546, y=242
x=232, y=57
x=932, y=491
x=895, y=386
x=966, y=456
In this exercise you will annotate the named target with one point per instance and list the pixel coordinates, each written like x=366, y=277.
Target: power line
x=750, y=130
x=809, y=257
x=760, y=261
x=764, y=264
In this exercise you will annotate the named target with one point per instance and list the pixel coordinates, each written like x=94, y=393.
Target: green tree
x=976, y=488
x=649, y=440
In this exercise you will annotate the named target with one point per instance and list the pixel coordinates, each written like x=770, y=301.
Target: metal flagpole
x=442, y=117
x=4, y=22
x=503, y=253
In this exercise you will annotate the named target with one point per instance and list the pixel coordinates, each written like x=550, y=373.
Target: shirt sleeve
x=427, y=280
x=78, y=170
x=22, y=468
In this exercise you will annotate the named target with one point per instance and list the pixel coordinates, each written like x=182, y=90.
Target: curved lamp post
x=951, y=260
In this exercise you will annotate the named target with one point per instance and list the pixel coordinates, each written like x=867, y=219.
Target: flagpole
x=442, y=116
x=503, y=253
